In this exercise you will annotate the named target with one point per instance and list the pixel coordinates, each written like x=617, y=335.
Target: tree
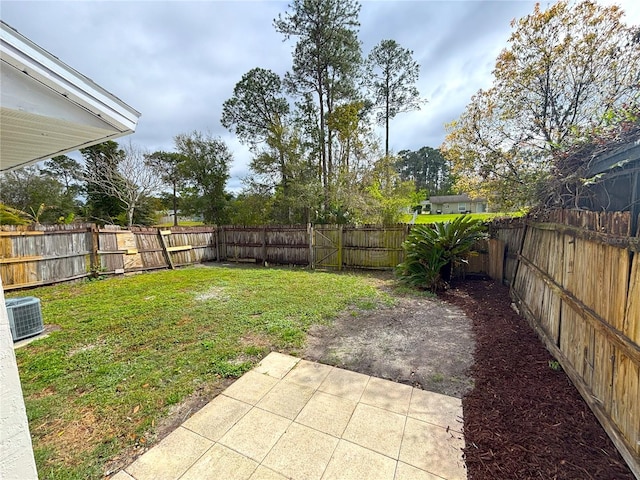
x=251, y=208
x=130, y=179
x=563, y=70
x=258, y=113
x=326, y=62
x=101, y=206
x=285, y=170
x=168, y=167
x=35, y=196
x=391, y=76
x=427, y=168
x=66, y=170
x=389, y=194
x=257, y=107
x=206, y=171
x=345, y=121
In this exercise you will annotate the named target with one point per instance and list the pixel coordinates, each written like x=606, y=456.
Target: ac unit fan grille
x=25, y=317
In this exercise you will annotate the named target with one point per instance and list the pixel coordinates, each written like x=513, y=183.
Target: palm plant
x=14, y=216
x=431, y=251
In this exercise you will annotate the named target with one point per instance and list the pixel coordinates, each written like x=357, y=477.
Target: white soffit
x=47, y=108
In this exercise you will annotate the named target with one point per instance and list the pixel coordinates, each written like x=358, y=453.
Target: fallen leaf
x=136, y=409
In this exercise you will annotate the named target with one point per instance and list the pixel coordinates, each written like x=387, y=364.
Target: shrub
x=431, y=251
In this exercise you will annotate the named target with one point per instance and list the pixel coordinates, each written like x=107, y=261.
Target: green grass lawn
x=130, y=347
x=447, y=217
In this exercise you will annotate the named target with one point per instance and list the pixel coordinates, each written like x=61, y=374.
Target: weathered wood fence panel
x=287, y=244
x=373, y=247
x=150, y=247
x=142, y=248
x=577, y=280
x=41, y=255
x=511, y=232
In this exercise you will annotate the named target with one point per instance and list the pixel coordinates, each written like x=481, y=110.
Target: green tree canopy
x=205, y=171
x=36, y=196
x=257, y=107
x=427, y=168
x=101, y=205
x=168, y=165
x=66, y=170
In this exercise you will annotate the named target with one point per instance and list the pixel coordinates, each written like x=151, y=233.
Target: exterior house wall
x=16, y=457
x=457, y=204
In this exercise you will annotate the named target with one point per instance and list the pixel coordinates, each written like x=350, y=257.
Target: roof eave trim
x=24, y=55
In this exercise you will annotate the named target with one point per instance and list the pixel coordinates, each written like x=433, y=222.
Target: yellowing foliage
x=562, y=71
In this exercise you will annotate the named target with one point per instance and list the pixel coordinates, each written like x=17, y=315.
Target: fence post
x=94, y=258
x=216, y=233
x=264, y=245
x=496, y=259
x=222, y=245
x=310, y=233
x=340, y=242
x=635, y=203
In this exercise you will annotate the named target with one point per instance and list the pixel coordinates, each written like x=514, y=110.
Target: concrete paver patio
x=293, y=419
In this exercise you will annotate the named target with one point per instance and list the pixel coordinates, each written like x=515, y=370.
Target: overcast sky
x=176, y=62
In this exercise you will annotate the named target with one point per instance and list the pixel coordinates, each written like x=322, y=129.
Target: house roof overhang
x=47, y=108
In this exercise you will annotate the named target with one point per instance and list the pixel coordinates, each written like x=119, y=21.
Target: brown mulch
x=523, y=419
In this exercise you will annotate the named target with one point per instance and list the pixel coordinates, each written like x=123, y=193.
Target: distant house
x=455, y=204
x=167, y=216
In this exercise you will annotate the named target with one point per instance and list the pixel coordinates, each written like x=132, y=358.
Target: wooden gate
x=327, y=246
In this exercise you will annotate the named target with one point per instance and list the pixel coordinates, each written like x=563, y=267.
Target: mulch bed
x=523, y=419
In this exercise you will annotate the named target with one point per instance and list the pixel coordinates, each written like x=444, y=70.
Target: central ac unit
x=25, y=317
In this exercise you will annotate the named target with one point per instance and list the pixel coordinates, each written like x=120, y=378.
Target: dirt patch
x=252, y=339
x=63, y=434
x=217, y=293
x=524, y=419
x=420, y=341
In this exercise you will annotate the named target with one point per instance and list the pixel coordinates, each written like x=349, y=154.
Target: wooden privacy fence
x=43, y=255
x=47, y=254
x=575, y=276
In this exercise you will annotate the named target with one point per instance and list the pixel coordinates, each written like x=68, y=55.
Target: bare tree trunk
x=175, y=206
x=386, y=119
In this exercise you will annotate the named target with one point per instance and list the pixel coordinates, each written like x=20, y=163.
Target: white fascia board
x=21, y=53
